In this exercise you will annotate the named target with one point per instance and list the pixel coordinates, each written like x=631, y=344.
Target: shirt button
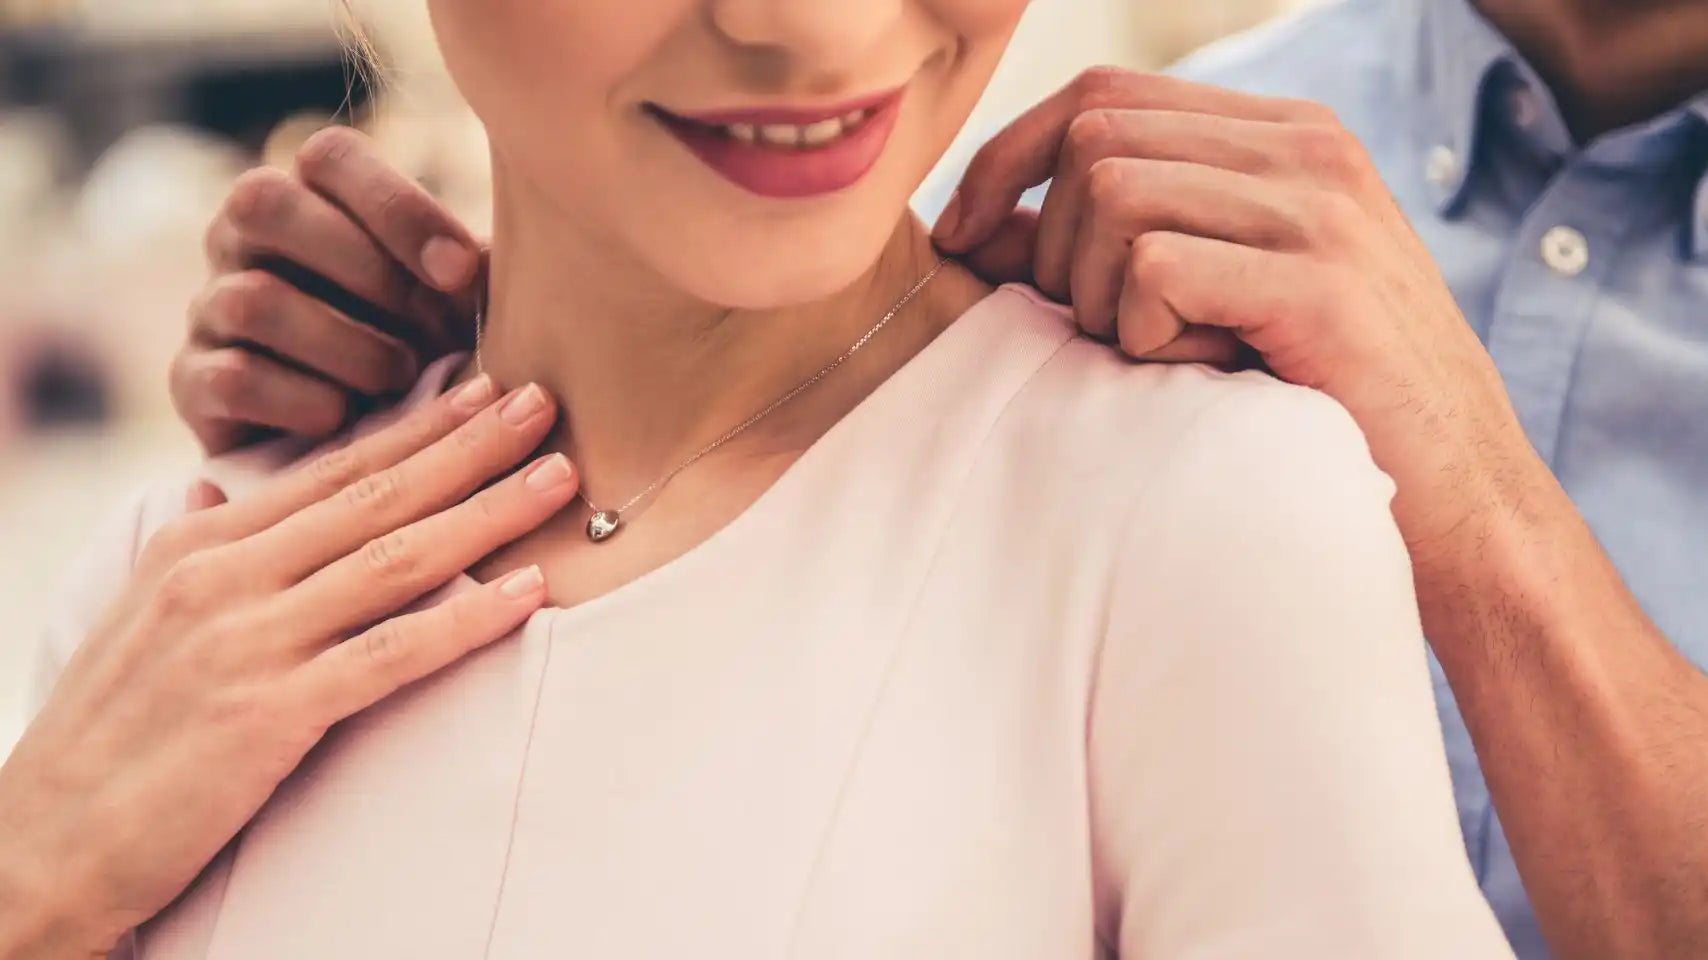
x=1522, y=106
x=1565, y=251
x=1441, y=166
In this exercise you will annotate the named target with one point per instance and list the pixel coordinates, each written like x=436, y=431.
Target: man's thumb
x=1009, y=253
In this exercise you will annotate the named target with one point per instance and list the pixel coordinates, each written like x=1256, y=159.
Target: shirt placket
x=1562, y=256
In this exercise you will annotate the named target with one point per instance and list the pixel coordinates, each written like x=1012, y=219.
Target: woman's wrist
x=33, y=922
x=42, y=914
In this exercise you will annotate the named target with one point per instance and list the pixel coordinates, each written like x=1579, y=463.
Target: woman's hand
x=1182, y=217
x=345, y=270
x=247, y=630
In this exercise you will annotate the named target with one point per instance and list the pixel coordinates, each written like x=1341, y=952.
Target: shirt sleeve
x=89, y=584
x=97, y=575
x=1267, y=772
x=93, y=581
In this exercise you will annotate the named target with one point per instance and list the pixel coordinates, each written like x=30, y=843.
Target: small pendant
x=602, y=525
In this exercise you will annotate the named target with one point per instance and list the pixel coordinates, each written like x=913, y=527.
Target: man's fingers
x=393, y=570
x=256, y=308
x=1182, y=282
x=231, y=385
x=1024, y=155
x=1006, y=257
x=1243, y=146
x=416, y=230
x=1208, y=345
x=271, y=219
x=354, y=675
x=1126, y=199
x=432, y=479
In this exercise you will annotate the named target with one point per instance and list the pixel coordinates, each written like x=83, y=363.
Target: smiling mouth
x=779, y=136
x=789, y=152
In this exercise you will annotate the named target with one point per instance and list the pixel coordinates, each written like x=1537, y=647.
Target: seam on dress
x=521, y=781
x=1141, y=499
x=848, y=777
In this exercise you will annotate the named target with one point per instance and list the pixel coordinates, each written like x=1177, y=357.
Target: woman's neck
x=647, y=375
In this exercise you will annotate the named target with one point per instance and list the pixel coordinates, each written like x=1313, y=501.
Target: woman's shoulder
x=1108, y=425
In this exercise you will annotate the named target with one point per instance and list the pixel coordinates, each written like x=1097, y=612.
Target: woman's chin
x=774, y=272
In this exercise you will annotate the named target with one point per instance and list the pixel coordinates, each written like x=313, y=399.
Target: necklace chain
x=605, y=522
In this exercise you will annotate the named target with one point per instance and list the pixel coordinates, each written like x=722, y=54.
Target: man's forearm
x=1591, y=729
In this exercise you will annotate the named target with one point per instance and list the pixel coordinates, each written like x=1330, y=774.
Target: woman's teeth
x=797, y=137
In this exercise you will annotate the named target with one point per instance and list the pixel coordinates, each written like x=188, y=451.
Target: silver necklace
x=604, y=524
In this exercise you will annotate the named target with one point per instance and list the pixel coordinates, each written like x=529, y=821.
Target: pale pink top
x=1035, y=654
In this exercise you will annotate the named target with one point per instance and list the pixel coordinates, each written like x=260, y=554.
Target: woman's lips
x=789, y=152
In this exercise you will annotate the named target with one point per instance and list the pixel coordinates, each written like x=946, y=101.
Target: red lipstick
x=789, y=152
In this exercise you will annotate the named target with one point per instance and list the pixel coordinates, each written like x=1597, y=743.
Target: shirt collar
x=1449, y=56
x=1699, y=232
x=1448, y=53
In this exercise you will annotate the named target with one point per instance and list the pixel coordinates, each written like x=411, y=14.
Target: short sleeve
x=92, y=582
x=102, y=567
x=94, y=579
x=1268, y=775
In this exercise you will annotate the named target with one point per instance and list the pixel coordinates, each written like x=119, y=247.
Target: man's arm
x=1592, y=730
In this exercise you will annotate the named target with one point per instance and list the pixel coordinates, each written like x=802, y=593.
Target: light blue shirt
x=1584, y=269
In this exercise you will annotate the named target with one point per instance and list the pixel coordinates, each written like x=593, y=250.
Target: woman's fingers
x=390, y=497
x=255, y=308
x=354, y=675
x=394, y=569
x=1128, y=198
x=333, y=470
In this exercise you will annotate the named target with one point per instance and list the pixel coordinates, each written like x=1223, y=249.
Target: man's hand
x=1183, y=216
x=330, y=285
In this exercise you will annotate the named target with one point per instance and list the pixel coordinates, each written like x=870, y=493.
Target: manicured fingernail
x=549, y=474
x=523, y=406
x=523, y=583
x=473, y=395
x=950, y=220
x=447, y=263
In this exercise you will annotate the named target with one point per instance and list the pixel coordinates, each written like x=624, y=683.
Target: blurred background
x=122, y=125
